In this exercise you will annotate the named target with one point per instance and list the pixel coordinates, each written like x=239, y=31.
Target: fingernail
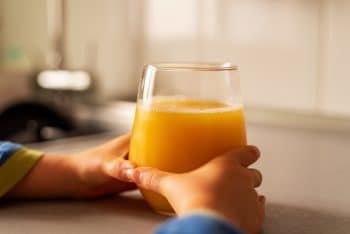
x=254, y=150
x=128, y=173
x=127, y=165
x=118, y=167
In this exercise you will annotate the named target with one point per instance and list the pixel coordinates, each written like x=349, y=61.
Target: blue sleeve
x=6, y=150
x=197, y=224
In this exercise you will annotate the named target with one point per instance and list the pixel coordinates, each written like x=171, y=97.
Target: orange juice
x=181, y=135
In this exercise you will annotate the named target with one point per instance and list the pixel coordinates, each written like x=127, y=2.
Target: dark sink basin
x=29, y=122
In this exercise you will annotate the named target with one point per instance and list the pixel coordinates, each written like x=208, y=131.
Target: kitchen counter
x=306, y=174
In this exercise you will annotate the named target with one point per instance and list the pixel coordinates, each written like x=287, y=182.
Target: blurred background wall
x=293, y=55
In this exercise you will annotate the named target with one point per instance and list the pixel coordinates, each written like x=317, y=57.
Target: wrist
x=51, y=177
x=67, y=176
x=73, y=179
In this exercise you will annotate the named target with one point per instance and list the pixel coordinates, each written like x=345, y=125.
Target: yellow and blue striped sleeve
x=15, y=162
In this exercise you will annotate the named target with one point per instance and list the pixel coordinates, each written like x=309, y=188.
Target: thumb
x=145, y=177
x=119, y=169
x=149, y=178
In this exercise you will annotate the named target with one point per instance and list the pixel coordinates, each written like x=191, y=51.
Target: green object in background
x=13, y=54
x=15, y=58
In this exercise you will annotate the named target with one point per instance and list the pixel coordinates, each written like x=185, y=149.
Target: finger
x=119, y=144
x=150, y=179
x=246, y=155
x=257, y=177
x=115, y=186
x=119, y=169
x=262, y=207
x=109, y=188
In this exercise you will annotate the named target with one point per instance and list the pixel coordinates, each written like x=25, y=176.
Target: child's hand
x=92, y=167
x=224, y=185
x=83, y=175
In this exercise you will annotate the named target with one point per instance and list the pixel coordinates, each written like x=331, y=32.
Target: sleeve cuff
x=197, y=223
x=209, y=213
x=16, y=168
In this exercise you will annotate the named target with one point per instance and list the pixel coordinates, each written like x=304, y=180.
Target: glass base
x=165, y=213
x=158, y=203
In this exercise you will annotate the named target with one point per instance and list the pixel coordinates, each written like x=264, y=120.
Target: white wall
x=335, y=79
x=275, y=44
x=1, y=24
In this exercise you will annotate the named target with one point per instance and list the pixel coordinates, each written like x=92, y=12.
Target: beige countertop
x=306, y=173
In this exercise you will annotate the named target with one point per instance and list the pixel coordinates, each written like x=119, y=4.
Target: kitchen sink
x=32, y=122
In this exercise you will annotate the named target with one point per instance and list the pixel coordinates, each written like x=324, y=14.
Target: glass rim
x=194, y=66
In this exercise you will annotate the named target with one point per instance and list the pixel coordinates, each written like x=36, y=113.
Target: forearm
x=16, y=163
x=51, y=177
x=26, y=173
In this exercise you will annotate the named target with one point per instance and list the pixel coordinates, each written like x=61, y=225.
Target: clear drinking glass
x=186, y=114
